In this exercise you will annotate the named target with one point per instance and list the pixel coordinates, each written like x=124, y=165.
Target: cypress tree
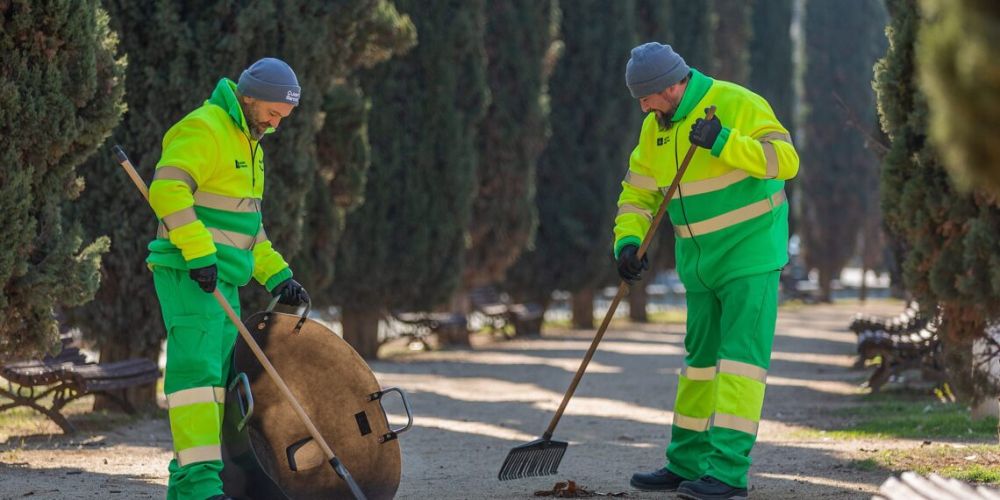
x=957, y=61
x=177, y=51
x=519, y=45
x=594, y=126
x=952, y=250
x=838, y=87
x=342, y=146
x=694, y=24
x=732, y=35
x=60, y=95
x=772, y=71
x=655, y=23
x=403, y=249
x=771, y=68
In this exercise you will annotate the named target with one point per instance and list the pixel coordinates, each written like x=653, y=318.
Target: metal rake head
x=537, y=458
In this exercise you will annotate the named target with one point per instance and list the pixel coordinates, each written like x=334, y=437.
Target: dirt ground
x=472, y=406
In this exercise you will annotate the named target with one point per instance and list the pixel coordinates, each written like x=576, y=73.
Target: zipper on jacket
x=687, y=222
x=253, y=161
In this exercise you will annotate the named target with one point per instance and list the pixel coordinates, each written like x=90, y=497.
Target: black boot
x=661, y=480
x=710, y=488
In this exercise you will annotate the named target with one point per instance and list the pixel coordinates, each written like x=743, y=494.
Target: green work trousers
x=200, y=339
x=730, y=331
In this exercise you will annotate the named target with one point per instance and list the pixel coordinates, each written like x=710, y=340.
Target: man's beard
x=666, y=118
x=257, y=128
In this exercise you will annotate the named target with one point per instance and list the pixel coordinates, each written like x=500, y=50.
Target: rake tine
x=537, y=458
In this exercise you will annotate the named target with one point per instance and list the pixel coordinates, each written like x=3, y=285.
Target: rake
x=542, y=456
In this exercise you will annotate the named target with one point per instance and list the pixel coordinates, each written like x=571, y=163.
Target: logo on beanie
x=292, y=96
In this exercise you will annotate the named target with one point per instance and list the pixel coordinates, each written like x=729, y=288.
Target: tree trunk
x=863, y=291
x=455, y=335
x=583, y=308
x=637, y=300
x=825, y=285
x=361, y=330
x=141, y=398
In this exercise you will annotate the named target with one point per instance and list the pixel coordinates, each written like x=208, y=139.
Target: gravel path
x=472, y=406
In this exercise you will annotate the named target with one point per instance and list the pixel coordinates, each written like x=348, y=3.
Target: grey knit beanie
x=272, y=80
x=652, y=68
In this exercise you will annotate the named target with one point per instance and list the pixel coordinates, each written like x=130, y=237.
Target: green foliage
x=403, y=248
x=654, y=21
x=693, y=26
x=772, y=71
x=177, y=51
x=732, y=36
x=594, y=126
x=343, y=149
x=60, y=95
x=956, y=52
x=771, y=68
x=952, y=250
x=835, y=161
x=519, y=46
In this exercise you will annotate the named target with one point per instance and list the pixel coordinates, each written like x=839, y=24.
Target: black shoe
x=710, y=488
x=661, y=480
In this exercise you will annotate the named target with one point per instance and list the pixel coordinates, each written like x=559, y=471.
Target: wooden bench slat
x=118, y=369
x=109, y=384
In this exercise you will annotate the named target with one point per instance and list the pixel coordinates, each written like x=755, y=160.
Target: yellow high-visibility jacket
x=729, y=214
x=207, y=193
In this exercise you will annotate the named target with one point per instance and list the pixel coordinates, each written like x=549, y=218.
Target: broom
x=542, y=456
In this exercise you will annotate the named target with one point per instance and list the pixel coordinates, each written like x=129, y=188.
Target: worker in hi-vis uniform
x=730, y=217
x=207, y=193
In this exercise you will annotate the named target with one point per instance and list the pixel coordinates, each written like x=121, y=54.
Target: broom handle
x=257, y=352
x=623, y=286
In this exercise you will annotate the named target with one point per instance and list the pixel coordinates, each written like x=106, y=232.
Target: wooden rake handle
x=623, y=286
x=257, y=352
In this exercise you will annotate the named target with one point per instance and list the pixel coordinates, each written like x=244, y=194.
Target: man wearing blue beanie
x=207, y=194
x=730, y=222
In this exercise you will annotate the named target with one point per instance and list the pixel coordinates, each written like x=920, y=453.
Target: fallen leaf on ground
x=569, y=489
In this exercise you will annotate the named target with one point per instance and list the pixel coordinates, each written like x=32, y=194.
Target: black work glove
x=205, y=277
x=290, y=293
x=704, y=133
x=630, y=268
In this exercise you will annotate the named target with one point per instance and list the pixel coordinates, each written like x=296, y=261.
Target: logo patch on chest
x=240, y=164
x=662, y=140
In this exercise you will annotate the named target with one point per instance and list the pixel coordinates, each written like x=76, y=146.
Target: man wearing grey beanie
x=730, y=221
x=207, y=193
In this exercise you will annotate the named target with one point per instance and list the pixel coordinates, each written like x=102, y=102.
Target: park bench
x=68, y=376
x=908, y=341
x=419, y=326
x=909, y=320
x=498, y=312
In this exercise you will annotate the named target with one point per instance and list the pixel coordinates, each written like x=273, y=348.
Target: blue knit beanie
x=272, y=80
x=652, y=68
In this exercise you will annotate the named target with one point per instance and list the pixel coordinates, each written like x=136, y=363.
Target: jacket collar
x=224, y=96
x=696, y=89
